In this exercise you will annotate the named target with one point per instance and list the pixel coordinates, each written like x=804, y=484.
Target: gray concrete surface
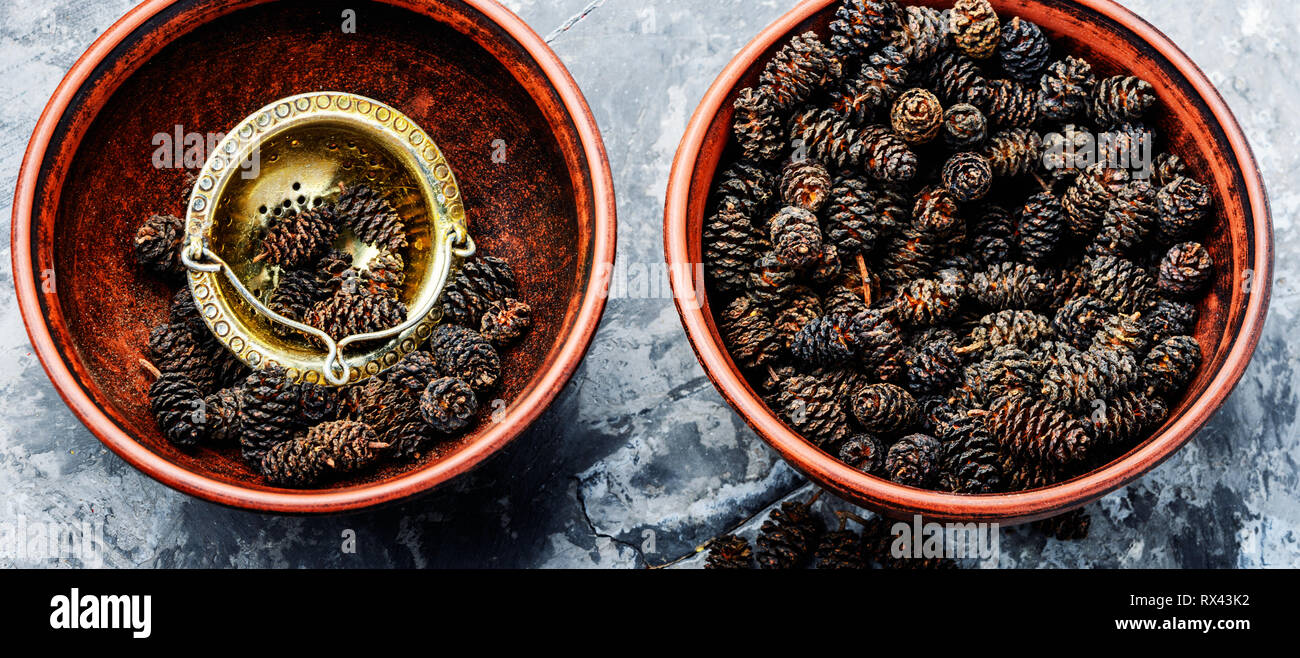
x=640, y=460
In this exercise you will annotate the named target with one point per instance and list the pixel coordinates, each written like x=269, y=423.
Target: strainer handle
x=198, y=257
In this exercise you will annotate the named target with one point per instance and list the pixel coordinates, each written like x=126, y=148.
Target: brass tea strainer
x=296, y=153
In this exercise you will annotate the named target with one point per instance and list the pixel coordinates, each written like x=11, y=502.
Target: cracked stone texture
x=640, y=460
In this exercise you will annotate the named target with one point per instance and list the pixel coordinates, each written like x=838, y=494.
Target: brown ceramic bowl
x=468, y=72
x=1198, y=126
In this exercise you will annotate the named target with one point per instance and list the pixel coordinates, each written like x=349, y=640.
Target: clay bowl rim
x=899, y=500
x=521, y=414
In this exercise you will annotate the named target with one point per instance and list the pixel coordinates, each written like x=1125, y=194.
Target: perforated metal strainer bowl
x=294, y=154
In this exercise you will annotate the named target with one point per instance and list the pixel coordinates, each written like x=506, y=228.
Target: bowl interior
x=1185, y=124
x=199, y=68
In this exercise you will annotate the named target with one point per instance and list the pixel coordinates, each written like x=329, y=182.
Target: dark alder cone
x=1183, y=204
x=1085, y=378
x=770, y=282
x=969, y=461
x=874, y=337
x=840, y=549
x=1122, y=333
x=958, y=79
x=317, y=403
x=1040, y=223
x=805, y=184
x=787, y=538
x=1125, y=418
x=333, y=269
x=993, y=220
x=174, y=348
x=1067, y=151
x=874, y=87
x=757, y=126
x=731, y=245
x=813, y=409
x=1066, y=527
x=746, y=187
x=1184, y=270
x=749, y=333
x=505, y=321
x=933, y=366
x=988, y=250
x=479, y=282
x=1018, y=327
x=885, y=408
x=224, y=411
x=910, y=254
x=825, y=341
x=1167, y=318
x=927, y=31
x=841, y=299
x=371, y=217
x=729, y=552
x=796, y=236
x=861, y=25
x=1011, y=104
x=351, y=312
x=1023, y=50
x=1079, y=319
x=936, y=213
x=448, y=404
x=297, y=239
x=178, y=408
x=385, y=274
x=1129, y=218
x=394, y=413
x=1065, y=89
x=1120, y=284
x=413, y=371
x=1006, y=371
x=926, y=302
x=1014, y=151
x=968, y=176
x=916, y=116
x=158, y=243
x=804, y=306
x=1089, y=197
x=964, y=126
x=270, y=412
x=1125, y=143
x=826, y=266
x=802, y=67
x=875, y=149
x=1121, y=98
x=1170, y=365
x=974, y=27
x=327, y=450
x=464, y=353
x=1166, y=168
x=864, y=452
x=295, y=295
x=859, y=216
x=1035, y=431
x=1008, y=286
x=914, y=460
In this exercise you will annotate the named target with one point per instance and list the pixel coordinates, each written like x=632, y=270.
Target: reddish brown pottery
x=468, y=72
x=1198, y=126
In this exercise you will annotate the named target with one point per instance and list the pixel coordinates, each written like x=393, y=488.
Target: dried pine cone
x=1065, y=89
x=1167, y=318
x=840, y=549
x=825, y=341
x=746, y=187
x=1021, y=328
x=1009, y=286
x=863, y=452
x=1167, y=167
x=1034, y=431
x=770, y=281
x=385, y=274
x=1121, y=98
x=729, y=552
x=914, y=460
x=796, y=236
x=757, y=126
x=934, y=365
x=297, y=239
x=858, y=216
x=749, y=333
x=874, y=338
x=1081, y=379
x=861, y=25
x=813, y=409
x=1040, y=223
x=1123, y=333
x=829, y=138
x=731, y=245
x=910, y=254
x=959, y=79
x=927, y=31
x=270, y=412
x=974, y=27
x=885, y=408
x=1120, y=284
x=1011, y=104
x=179, y=409
x=874, y=87
x=413, y=371
x=448, y=404
x=1079, y=319
x=936, y=213
x=297, y=292
x=916, y=116
x=394, y=413
x=329, y=449
x=224, y=414
x=1006, y=371
x=968, y=176
x=1184, y=270
x=969, y=461
x=964, y=126
x=927, y=302
x=175, y=348
x=1014, y=151
x=1023, y=50
x=805, y=184
x=1126, y=418
x=371, y=217
x=1183, y=204
x=349, y=312
x=1129, y=218
x=158, y=243
x=786, y=540
x=804, y=306
x=505, y=321
x=477, y=283
x=464, y=353
x=1170, y=365
x=802, y=67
